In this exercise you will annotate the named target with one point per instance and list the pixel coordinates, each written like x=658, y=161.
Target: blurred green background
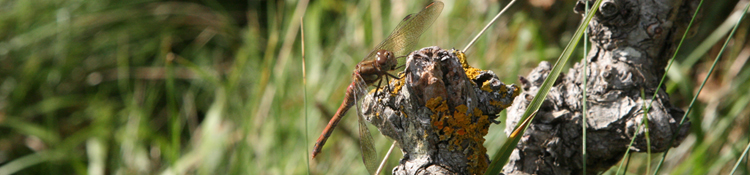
x=216, y=86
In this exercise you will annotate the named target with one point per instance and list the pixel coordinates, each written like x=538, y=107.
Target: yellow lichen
x=373, y=90
x=461, y=120
x=503, y=90
x=471, y=72
x=498, y=104
x=399, y=83
x=486, y=86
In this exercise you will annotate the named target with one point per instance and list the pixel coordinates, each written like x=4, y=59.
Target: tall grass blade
x=627, y=164
x=644, y=122
x=28, y=161
x=487, y=26
x=585, y=99
x=500, y=158
x=627, y=153
x=388, y=154
x=304, y=89
x=744, y=154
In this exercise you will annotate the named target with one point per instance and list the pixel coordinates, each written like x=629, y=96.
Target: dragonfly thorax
x=372, y=70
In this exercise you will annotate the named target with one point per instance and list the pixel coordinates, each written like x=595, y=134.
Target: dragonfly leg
x=391, y=75
x=399, y=67
x=495, y=121
x=378, y=87
x=387, y=88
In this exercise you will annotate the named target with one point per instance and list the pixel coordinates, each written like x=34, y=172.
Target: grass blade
x=644, y=122
x=304, y=89
x=487, y=26
x=627, y=153
x=382, y=163
x=584, y=100
x=744, y=154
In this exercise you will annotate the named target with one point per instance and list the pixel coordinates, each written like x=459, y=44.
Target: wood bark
x=440, y=109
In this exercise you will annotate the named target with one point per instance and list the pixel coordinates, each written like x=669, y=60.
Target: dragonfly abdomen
x=345, y=105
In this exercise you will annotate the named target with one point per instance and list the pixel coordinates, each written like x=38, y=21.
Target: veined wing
x=407, y=33
x=369, y=154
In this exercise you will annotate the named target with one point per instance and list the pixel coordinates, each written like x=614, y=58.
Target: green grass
x=215, y=87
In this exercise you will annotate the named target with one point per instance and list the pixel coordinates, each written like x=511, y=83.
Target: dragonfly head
x=385, y=59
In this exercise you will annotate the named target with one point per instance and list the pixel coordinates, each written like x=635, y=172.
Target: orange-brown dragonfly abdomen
x=366, y=73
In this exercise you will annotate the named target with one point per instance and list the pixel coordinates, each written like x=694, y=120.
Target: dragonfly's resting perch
x=439, y=112
x=632, y=42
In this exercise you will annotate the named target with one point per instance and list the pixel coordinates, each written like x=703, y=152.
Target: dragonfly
x=374, y=68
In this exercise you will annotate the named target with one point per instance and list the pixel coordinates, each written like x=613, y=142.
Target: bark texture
x=439, y=112
x=632, y=43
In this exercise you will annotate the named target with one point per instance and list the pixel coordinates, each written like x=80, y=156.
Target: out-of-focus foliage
x=215, y=87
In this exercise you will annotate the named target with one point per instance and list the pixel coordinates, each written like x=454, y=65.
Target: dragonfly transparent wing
x=369, y=155
x=407, y=32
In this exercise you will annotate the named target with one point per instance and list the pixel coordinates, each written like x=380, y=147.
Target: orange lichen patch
x=439, y=124
x=434, y=103
x=461, y=132
x=460, y=118
x=462, y=129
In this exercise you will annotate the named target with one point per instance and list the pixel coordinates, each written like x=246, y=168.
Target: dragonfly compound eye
x=384, y=56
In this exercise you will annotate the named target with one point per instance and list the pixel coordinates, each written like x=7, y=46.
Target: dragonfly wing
x=369, y=155
x=407, y=32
